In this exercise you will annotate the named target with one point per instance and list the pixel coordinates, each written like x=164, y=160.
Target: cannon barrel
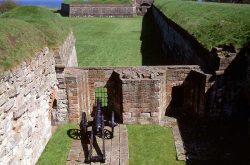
x=98, y=115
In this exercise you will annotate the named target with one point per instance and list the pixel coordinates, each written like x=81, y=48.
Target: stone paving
x=116, y=149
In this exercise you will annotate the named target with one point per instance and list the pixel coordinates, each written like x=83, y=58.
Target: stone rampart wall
x=65, y=56
x=25, y=93
x=32, y=99
x=247, y=85
x=179, y=46
x=101, y=10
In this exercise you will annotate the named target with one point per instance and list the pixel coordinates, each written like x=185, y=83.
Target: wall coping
x=100, y=5
x=136, y=67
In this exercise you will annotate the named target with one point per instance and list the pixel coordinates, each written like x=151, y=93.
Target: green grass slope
x=26, y=30
x=151, y=144
x=18, y=40
x=107, y=41
x=51, y=24
x=98, y=1
x=211, y=23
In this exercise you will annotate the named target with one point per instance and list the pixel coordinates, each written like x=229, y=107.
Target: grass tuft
x=211, y=23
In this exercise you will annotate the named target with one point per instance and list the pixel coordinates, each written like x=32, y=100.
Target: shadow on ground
x=220, y=136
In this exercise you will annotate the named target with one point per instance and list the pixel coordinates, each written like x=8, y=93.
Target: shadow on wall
x=114, y=89
x=152, y=54
x=220, y=134
x=166, y=43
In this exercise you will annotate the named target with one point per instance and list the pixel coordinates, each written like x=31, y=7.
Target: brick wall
x=185, y=91
x=77, y=91
x=138, y=94
x=141, y=101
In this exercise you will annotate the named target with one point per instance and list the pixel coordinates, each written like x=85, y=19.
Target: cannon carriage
x=97, y=124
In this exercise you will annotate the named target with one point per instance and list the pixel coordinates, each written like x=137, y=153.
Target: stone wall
x=25, y=93
x=100, y=10
x=235, y=1
x=65, y=56
x=247, y=85
x=180, y=47
x=226, y=92
x=138, y=94
x=33, y=98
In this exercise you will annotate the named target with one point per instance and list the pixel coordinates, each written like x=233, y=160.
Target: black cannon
x=97, y=126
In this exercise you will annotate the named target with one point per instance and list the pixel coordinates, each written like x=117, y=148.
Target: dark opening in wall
x=101, y=93
x=53, y=112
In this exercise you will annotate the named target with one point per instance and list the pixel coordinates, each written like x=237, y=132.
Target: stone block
x=3, y=87
x=154, y=114
x=132, y=120
x=135, y=114
x=127, y=115
x=4, y=98
x=144, y=114
x=7, y=106
x=148, y=120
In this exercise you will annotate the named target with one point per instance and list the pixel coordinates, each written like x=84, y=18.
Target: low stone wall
x=137, y=94
x=25, y=93
x=100, y=10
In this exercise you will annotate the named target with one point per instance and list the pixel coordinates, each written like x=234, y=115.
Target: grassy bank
x=98, y=1
x=107, y=41
x=26, y=30
x=211, y=23
x=57, y=149
x=151, y=144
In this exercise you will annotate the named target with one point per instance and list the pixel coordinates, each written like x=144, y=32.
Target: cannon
x=97, y=124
